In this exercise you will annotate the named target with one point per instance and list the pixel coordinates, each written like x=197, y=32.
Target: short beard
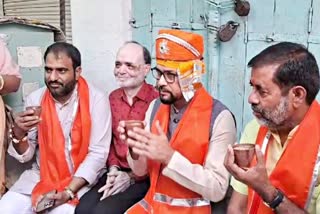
x=67, y=89
x=171, y=100
x=167, y=101
x=276, y=118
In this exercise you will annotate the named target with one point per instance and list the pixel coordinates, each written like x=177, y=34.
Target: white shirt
x=99, y=144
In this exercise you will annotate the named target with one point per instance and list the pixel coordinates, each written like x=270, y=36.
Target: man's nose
x=162, y=81
x=253, y=98
x=53, y=76
x=122, y=69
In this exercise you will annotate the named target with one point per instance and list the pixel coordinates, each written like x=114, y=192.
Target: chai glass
x=36, y=109
x=243, y=154
x=130, y=124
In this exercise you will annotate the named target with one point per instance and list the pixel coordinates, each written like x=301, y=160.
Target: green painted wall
x=17, y=35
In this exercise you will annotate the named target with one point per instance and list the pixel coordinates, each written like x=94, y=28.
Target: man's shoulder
x=219, y=107
x=116, y=92
x=250, y=132
x=35, y=96
x=148, y=92
x=152, y=89
x=95, y=92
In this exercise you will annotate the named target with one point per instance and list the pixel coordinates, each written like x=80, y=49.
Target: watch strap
x=276, y=201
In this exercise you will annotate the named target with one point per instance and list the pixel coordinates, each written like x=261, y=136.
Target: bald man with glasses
x=118, y=188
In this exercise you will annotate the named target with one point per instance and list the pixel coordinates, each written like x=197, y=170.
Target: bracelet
x=276, y=201
x=71, y=194
x=1, y=82
x=14, y=139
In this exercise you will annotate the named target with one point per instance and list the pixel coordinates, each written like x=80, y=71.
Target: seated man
x=190, y=133
x=71, y=137
x=9, y=82
x=284, y=178
x=118, y=189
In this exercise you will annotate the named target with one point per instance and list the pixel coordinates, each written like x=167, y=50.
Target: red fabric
x=121, y=110
x=192, y=134
x=294, y=170
x=54, y=171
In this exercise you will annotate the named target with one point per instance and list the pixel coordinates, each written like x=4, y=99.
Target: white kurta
x=98, y=151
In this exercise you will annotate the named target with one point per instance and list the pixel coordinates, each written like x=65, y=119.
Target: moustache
x=55, y=82
x=256, y=109
x=161, y=88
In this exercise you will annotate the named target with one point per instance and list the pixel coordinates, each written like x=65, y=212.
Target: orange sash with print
x=191, y=139
x=54, y=170
x=294, y=170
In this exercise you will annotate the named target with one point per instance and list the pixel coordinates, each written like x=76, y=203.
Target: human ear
x=146, y=69
x=299, y=94
x=78, y=71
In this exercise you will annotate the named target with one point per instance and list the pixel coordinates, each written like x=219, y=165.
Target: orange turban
x=183, y=51
x=177, y=45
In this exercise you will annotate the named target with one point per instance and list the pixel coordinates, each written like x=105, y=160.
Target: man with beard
x=71, y=137
x=284, y=176
x=119, y=189
x=190, y=132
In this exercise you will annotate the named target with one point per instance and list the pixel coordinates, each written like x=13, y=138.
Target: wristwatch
x=276, y=201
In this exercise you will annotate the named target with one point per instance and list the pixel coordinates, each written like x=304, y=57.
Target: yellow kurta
x=249, y=135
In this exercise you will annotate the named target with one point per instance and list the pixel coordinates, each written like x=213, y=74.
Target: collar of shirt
x=175, y=117
x=142, y=94
x=276, y=150
x=277, y=140
x=71, y=100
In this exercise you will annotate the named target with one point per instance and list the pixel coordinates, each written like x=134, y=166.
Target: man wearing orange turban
x=189, y=133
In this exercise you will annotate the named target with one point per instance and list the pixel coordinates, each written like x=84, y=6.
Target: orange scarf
x=54, y=170
x=191, y=139
x=294, y=170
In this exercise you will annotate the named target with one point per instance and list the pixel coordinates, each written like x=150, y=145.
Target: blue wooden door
x=314, y=31
x=280, y=20
x=227, y=75
x=151, y=15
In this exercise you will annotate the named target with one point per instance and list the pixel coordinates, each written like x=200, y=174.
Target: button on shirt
x=122, y=110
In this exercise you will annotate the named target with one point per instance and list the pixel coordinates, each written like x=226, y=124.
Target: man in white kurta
x=18, y=198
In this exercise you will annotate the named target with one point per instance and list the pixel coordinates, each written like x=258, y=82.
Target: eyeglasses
x=168, y=76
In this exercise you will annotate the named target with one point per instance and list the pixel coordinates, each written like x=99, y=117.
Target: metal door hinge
x=175, y=25
x=269, y=39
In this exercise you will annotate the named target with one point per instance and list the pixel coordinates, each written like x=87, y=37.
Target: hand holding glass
x=243, y=154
